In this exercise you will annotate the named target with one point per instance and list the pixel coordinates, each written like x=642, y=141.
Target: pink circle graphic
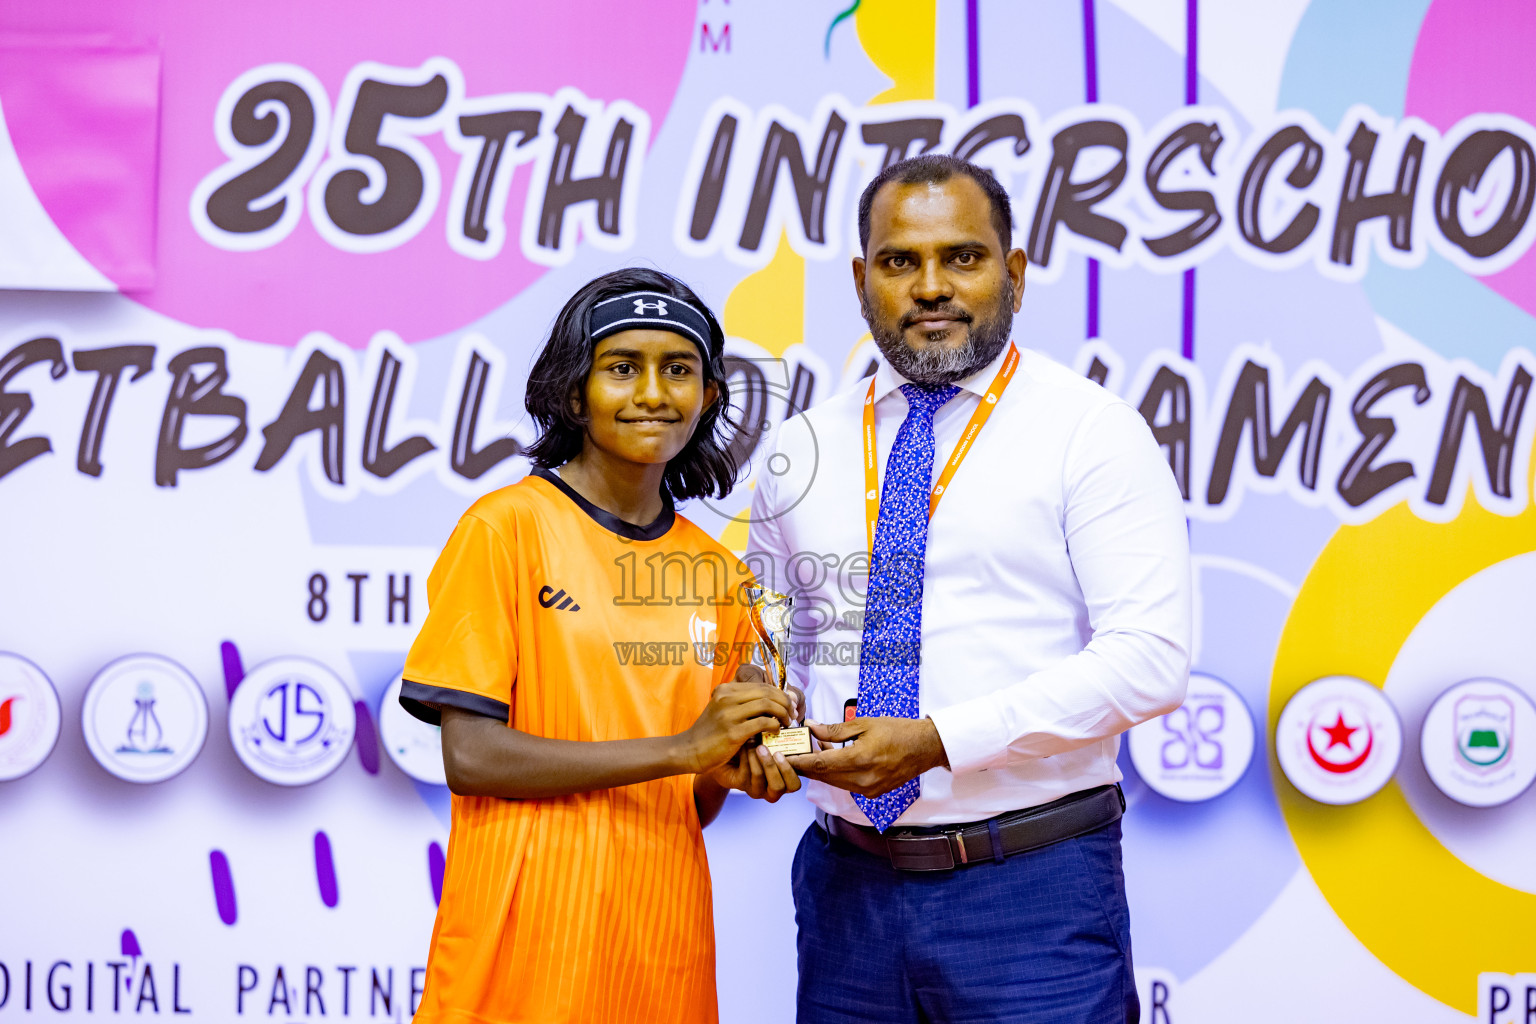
x=606, y=50
x=1474, y=56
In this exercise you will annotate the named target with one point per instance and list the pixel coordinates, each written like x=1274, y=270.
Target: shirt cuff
x=423, y=701
x=974, y=735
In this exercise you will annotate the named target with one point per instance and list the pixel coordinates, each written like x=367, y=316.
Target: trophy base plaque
x=788, y=741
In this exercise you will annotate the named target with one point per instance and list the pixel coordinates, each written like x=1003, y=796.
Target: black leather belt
x=944, y=847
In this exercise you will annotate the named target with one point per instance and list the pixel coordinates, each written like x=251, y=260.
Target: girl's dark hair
x=705, y=467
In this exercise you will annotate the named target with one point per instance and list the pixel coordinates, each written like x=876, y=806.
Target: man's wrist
x=973, y=735
x=937, y=755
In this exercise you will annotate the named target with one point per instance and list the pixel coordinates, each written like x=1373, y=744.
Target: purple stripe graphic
x=1191, y=96
x=1188, y=346
x=1090, y=52
x=367, y=740
x=1093, y=298
x=234, y=671
x=325, y=870
x=1191, y=52
x=972, y=52
x=435, y=864
x=1091, y=89
x=223, y=887
x=129, y=944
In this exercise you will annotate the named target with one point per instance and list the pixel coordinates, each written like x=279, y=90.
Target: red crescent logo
x=5, y=715
x=1348, y=766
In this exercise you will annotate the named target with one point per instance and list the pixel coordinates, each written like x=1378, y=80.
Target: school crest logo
x=1476, y=742
x=1339, y=740
x=1345, y=744
x=1484, y=728
x=1198, y=750
x=145, y=718
x=29, y=717
x=292, y=721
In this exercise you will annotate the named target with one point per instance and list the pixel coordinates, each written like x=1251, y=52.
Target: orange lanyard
x=962, y=448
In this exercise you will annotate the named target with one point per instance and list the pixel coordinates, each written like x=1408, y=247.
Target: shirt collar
x=888, y=380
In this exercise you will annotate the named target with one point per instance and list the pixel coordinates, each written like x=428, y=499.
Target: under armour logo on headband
x=651, y=311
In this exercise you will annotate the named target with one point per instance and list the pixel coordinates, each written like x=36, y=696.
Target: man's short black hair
x=705, y=467
x=935, y=169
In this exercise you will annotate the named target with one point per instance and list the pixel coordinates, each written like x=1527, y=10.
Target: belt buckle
x=922, y=852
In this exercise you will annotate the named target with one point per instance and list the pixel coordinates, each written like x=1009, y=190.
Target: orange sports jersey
x=562, y=620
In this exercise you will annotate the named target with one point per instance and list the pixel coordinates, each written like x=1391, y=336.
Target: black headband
x=655, y=311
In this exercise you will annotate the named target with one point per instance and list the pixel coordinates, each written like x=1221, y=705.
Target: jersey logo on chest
x=559, y=600
x=700, y=631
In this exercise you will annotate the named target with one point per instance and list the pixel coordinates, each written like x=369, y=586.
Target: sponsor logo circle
x=29, y=717
x=414, y=746
x=145, y=718
x=292, y=721
x=1477, y=742
x=1200, y=749
x=1338, y=740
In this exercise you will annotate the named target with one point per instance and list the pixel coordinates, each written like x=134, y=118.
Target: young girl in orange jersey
x=576, y=886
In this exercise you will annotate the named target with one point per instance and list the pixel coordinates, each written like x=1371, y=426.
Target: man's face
x=936, y=287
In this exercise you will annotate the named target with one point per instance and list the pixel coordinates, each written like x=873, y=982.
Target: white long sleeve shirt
x=1056, y=596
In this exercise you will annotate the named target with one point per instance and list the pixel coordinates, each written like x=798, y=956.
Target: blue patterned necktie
x=893, y=612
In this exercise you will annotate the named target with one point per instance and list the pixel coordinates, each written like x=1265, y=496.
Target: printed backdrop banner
x=276, y=274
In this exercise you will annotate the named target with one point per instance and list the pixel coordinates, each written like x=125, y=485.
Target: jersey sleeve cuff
x=973, y=735
x=423, y=701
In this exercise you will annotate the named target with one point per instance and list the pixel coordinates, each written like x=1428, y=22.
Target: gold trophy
x=770, y=621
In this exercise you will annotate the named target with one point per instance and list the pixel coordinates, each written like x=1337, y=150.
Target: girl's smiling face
x=644, y=395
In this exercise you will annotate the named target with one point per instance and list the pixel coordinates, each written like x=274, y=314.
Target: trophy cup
x=770, y=621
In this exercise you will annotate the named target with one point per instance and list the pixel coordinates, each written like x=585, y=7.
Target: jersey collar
x=607, y=520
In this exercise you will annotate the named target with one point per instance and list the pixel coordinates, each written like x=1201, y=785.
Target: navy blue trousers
x=1041, y=938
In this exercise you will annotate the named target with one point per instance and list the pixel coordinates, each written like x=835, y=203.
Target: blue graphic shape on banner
x=1435, y=302
x=1346, y=52
x=1200, y=874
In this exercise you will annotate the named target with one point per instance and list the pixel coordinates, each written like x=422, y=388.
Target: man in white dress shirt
x=1020, y=600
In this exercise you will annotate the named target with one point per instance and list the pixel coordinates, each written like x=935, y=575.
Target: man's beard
x=941, y=365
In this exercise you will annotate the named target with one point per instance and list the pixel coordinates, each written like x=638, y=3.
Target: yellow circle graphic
x=1433, y=920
